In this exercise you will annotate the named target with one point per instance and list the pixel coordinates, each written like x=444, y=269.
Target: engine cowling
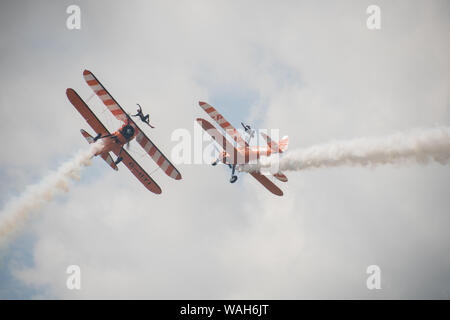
x=127, y=132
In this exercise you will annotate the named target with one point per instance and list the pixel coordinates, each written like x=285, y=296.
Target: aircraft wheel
x=233, y=179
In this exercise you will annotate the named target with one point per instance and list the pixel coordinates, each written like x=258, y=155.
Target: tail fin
x=279, y=147
x=105, y=155
x=283, y=144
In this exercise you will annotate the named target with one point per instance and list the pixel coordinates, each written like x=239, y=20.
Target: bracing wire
x=154, y=170
x=90, y=97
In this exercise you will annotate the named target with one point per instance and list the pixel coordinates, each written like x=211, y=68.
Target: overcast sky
x=311, y=69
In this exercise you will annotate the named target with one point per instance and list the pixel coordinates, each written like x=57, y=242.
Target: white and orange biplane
x=244, y=153
x=115, y=142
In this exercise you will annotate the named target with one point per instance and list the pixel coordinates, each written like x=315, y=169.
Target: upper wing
x=219, y=138
x=157, y=156
x=87, y=114
x=104, y=95
x=138, y=172
x=267, y=183
x=221, y=121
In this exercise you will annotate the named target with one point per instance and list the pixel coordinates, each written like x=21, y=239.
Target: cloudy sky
x=311, y=69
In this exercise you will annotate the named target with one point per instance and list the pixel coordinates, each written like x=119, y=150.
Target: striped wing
x=104, y=95
x=149, y=147
x=220, y=139
x=157, y=156
x=223, y=123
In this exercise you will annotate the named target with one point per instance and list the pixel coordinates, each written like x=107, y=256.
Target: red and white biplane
x=244, y=153
x=115, y=142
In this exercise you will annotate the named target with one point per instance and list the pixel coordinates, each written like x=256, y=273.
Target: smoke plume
x=16, y=212
x=417, y=146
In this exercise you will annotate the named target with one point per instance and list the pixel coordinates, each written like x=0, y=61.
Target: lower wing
x=138, y=172
x=267, y=183
x=219, y=138
x=87, y=113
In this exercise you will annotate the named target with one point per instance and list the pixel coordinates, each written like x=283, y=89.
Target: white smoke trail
x=420, y=146
x=17, y=211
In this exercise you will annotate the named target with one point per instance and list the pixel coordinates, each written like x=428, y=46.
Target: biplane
x=243, y=153
x=115, y=142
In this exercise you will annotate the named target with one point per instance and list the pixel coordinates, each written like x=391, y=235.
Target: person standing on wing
x=140, y=114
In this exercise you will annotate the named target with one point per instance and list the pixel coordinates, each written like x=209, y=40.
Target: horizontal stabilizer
x=105, y=155
x=280, y=176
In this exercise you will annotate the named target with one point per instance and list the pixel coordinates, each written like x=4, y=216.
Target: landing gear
x=97, y=137
x=233, y=177
x=119, y=158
